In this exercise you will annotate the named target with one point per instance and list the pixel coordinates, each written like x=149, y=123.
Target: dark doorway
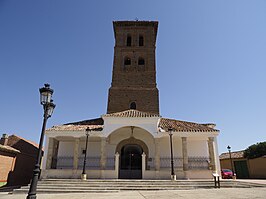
x=131, y=162
x=241, y=168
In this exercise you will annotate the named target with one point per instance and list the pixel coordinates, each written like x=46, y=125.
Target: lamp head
x=50, y=108
x=46, y=94
x=88, y=130
x=170, y=130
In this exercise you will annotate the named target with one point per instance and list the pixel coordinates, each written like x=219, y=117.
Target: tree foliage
x=255, y=150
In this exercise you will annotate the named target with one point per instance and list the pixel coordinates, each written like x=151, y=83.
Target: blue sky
x=210, y=59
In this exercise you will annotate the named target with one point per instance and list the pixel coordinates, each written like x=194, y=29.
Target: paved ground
x=223, y=193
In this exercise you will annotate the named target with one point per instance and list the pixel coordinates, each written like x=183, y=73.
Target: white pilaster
x=184, y=153
x=103, y=156
x=49, y=152
x=157, y=157
x=76, y=153
x=216, y=156
x=117, y=164
x=143, y=164
x=211, y=154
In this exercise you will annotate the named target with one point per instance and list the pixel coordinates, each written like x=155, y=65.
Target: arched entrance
x=131, y=162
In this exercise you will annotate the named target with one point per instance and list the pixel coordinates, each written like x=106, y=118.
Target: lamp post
x=46, y=100
x=173, y=176
x=229, y=150
x=84, y=175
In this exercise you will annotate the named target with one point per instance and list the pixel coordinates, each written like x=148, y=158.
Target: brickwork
x=22, y=168
x=7, y=165
x=134, y=81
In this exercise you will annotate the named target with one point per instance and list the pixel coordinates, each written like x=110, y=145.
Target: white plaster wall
x=197, y=147
x=114, y=123
x=147, y=139
x=66, y=148
x=165, y=146
x=110, y=150
x=94, y=148
x=124, y=133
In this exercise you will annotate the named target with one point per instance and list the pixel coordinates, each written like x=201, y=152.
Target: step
x=79, y=186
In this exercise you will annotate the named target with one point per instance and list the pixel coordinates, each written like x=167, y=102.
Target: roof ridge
x=131, y=113
x=24, y=139
x=95, y=121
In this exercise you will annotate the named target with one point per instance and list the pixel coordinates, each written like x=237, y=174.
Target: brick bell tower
x=134, y=72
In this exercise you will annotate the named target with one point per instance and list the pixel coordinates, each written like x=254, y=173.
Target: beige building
x=132, y=140
x=243, y=167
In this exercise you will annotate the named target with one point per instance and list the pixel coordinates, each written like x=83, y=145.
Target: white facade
x=195, y=152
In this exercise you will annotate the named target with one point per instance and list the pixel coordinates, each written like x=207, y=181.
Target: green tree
x=255, y=150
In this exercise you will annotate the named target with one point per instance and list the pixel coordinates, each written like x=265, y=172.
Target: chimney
x=4, y=139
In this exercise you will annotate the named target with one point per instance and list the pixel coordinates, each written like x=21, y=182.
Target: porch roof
x=234, y=155
x=93, y=125
x=164, y=123
x=182, y=126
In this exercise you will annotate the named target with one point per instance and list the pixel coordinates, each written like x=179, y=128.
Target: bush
x=255, y=150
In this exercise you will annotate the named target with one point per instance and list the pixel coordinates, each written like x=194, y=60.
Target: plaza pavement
x=223, y=193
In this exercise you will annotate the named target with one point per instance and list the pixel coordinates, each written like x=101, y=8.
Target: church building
x=132, y=140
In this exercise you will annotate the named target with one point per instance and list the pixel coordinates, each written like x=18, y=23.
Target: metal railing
x=198, y=163
x=193, y=162
x=64, y=162
x=165, y=162
x=110, y=163
x=91, y=163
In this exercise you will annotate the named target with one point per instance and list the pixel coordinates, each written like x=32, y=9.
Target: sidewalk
x=223, y=193
x=257, y=181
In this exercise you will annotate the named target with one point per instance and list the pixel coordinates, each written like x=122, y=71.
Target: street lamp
x=229, y=150
x=84, y=175
x=46, y=100
x=173, y=176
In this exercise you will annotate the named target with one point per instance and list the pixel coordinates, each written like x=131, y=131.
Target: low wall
x=76, y=174
x=112, y=174
x=257, y=168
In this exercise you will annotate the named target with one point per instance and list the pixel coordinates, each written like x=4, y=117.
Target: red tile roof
x=234, y=155
x=13, y=139
x=72, y=127
x=181, y=126
x=98, y=123
x=93, y=124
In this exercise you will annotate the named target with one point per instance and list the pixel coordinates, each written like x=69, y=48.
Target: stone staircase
x=79, y=186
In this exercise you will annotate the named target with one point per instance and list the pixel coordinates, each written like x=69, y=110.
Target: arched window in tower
x=141, y=61
x=129, y=40
x=141, y=40
x=127, y=61
x=133, y=105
